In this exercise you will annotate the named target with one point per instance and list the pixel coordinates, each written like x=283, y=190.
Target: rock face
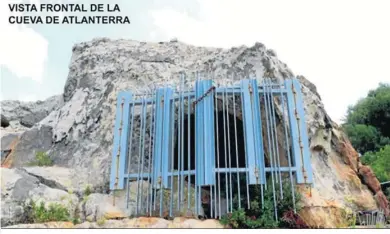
x=4, y=121
x=27, y=113
x=130, y=223
x=18, y=187
x=79, y=134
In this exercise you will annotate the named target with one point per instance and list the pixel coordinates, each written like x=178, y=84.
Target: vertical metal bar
x=229, y=153
x=236, y=146
x=150, y=156
x=245, y=147
x=273, y=120
x=179, y=140
x=269, y=145
x=224, y=140
x=218, y=173
x=196, y=166
x=211, y=102
x=294, y=132
x=196, y=147
x=284, y=121
x=173, y=108
x=139, y=156
x=249, y=130
x=182, y=143
x=130, y=154
x=211, y=202
x=304, y=142
x=258, y=137
x=142, y=143
x=269, y=116
x=165, y=144
x=208, y=105
x=120, y=149
x=168, y=93
x=189, y=153
x=161, y=169
x=155, y=155
x=201, y=147
x=158, y=142
x=212, y=152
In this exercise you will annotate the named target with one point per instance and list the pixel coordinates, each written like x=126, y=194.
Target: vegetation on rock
x=87, y=190
x=262, y=214
x=380, y=162
x=41, y=160
x=39, y=213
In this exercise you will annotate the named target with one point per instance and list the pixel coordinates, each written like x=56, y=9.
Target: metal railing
x=192, y=152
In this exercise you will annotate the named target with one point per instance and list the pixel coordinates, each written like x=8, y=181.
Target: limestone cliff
x=79, y=134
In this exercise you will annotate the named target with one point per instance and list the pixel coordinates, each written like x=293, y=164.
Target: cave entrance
x=229, y=143
x=237, y=135
x=230, y=160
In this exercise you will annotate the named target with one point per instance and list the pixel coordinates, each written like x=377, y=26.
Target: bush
x=367, y=123
x=42, y=160
x=262, y=215
x=88, y=190
x=40, y=214
x=379, y=162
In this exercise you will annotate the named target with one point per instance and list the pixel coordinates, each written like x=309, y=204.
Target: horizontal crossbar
x=216, y=170
x=186, y=95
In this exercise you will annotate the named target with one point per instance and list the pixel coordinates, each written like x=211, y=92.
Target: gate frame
x=291, y=88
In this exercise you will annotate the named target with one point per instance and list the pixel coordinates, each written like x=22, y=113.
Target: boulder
x=18, y=188
x=37, y=139
x=78, y=133
x=66, y=179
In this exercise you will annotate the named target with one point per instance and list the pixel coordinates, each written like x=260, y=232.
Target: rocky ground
x=76, y=130
x=130, y=223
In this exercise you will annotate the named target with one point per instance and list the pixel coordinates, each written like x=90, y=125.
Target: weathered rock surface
x=30, y=142
x=19, y=187
x=113, y=206
x=141, y=222
x=63, y=178
x=79, y=134
x=8, y=140
x=28, y=113
x=4, y=121
x=43, y=225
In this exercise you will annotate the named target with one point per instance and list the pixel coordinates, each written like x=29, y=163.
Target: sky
x=343, y=47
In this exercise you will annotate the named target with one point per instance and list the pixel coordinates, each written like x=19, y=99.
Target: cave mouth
x=229, y=143
x=229, y=151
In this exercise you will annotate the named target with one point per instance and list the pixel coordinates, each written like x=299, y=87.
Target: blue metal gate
x=205, y=146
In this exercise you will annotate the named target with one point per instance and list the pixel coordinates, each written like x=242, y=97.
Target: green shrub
x=88, y=190
x=41, y=160
x=40, y=214
x=262, y=214
x=379, y=162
